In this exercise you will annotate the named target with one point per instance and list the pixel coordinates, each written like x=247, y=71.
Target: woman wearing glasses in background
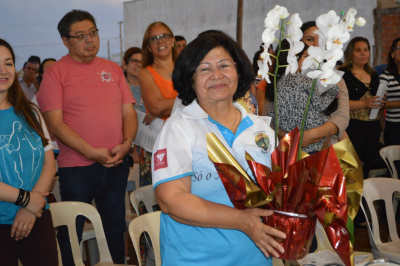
x=199, y=225
x=155, y=79
x=392, y=77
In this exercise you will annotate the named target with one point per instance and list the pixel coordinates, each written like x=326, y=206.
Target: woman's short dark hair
x=392, y=66
x=42, y=64
x=307, y=25
x=70, y=18
x=131, y=51
x=194, y=53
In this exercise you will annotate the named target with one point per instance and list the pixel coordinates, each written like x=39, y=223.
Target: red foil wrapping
x=312, y=188
x=301, y=230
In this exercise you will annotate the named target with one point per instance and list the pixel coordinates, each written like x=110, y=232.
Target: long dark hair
x=22, y=106
x=392, y=67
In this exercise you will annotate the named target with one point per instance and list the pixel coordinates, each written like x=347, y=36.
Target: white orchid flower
x=337, y=35
x=314, y=58
x=326, y=21
x=272, y=20
x=361, y=21
x=332, y=55
x=282, y=11
x=295, y=48
x=294, y=29
x=268, y=36
x=263, y=69
x=350, y=18
x=325, y=77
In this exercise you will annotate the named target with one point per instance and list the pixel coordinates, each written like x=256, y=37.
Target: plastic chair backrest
x=65, y=213
x=150, y=223
x=146, y=195
x=390, y=154
x=381, y=189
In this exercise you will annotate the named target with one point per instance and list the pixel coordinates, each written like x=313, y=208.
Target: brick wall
x=387, y=28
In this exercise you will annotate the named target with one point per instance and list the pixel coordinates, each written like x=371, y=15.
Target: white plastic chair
x=382, y=189
x=65, y=213
x=88, y=234
x=150, y=223
x=146, y=195
x=390, y=154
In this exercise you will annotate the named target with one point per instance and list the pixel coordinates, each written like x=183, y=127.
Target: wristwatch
x=132, y=144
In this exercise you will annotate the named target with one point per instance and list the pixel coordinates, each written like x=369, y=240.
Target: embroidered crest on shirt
x=263, y=141
x=160, y=159
x=105, y=77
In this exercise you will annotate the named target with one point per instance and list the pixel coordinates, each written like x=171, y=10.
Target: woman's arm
x=175, y=199
x=151, y=95
x=392, y=105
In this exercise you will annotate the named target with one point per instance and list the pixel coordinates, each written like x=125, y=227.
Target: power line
x=47, y=24
x=56, y=44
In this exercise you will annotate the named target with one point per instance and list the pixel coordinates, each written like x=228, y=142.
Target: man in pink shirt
x=87, y=105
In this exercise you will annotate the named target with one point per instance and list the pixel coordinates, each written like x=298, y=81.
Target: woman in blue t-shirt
x=27, y=169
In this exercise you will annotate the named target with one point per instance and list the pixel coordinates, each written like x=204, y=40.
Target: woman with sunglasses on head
x=155, y=79
x=27, y=169
x=391, y=76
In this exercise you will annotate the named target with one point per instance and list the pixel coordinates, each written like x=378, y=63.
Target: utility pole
x=108, y=49
x=239, y=22
x=120, y=39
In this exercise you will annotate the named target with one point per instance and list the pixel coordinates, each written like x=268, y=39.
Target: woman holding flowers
x=292, y=94
x=362, y=83
x=339, y=118
x=199, y=225
x=391, y=76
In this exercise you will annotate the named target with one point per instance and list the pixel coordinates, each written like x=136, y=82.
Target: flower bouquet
x=299, y=192
x=300, y=189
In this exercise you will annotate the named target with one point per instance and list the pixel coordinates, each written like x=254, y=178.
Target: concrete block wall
x=190, y=17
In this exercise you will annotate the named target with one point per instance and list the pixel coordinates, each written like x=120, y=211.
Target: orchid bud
x=361, y=21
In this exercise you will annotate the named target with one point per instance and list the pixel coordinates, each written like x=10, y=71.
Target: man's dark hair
x=72, y=17
x=179, y=38
x=34, y=59
x=190, y=58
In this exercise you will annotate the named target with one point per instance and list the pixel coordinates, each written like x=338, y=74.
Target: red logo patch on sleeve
x=160, y=159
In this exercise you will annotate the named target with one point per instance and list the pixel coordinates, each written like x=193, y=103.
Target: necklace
x=234, y=122
x=170, y=74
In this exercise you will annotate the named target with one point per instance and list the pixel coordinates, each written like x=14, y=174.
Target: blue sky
x=30, y=26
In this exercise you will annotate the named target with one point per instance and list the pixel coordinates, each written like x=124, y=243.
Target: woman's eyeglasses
x=205, y=69
x=396, y=48
x=163, y=37
x=135, y=61
x=83, y=37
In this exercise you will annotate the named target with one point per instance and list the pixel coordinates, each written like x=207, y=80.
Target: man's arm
x=129, y=130
x=68, y=137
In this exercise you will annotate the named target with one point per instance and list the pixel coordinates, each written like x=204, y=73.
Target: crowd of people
x=91, y=107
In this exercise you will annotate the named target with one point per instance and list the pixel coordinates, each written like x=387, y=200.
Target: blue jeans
x=107, y=186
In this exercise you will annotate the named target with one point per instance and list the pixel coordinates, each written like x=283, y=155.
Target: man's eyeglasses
x=163, y=37
x=205, y=69
x=135, y=61
x=83, y=37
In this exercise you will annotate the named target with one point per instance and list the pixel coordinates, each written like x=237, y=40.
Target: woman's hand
x=37, y=203
x=23, y=224
x=372, y=103
x=261, y=234
x=148, y=119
